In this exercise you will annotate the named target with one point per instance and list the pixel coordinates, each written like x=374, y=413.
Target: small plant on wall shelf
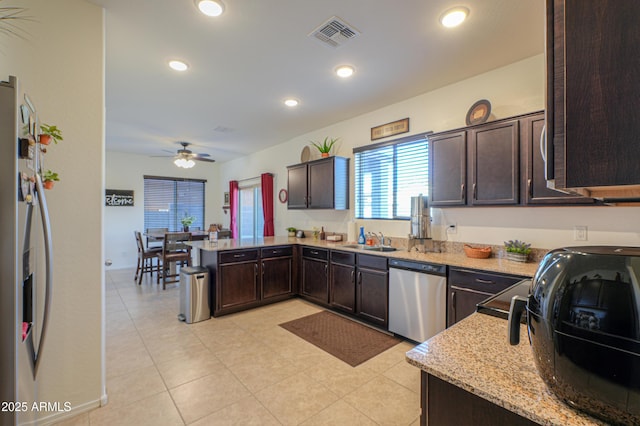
x=325, y=146
x=49, y=178
x=49, y=133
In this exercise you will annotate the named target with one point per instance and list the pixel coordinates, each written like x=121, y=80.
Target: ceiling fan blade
x=208, y=160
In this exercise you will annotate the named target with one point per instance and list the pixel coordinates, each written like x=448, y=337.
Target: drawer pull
x=237, y=256
x=481, y=281
x=314, y=252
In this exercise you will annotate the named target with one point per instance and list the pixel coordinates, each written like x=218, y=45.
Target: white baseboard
x=76, y=410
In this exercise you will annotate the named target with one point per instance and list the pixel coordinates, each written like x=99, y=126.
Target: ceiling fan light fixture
x=184, y=163
x=178, y=65
x=454, y=17
x=210, y=7
x=345, y=71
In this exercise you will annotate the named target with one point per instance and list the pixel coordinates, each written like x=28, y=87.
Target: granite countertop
x=493, y=264
x=474, y=354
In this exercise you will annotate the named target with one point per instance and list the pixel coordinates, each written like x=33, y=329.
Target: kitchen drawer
x=235, y=256
x=373, y=262
x=343, y=257
x=315, y=253
x=481, y=281
x=278, y=251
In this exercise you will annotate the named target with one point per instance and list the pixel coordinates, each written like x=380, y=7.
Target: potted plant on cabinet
x=325, y=146
x=292, y=231
x=517, y=250
x=48, y=133
x=186, y=221
x=49, y=178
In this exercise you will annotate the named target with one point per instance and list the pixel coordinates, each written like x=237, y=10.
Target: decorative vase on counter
x=517, y=257
x=324, y=154
x=292, y=233
x=185, y=228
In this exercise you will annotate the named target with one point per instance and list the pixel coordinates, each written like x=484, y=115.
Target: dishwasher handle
x=425, y=268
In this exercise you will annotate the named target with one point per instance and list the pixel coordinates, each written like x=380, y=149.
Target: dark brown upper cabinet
x=448, y=169
x=319, y=184
x=534, y=184
x=593, y=97
x=494, y=164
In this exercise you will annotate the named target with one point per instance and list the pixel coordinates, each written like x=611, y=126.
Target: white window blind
x=388, y=175
x=167, y=200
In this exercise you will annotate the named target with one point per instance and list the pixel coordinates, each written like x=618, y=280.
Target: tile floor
x=240, y=369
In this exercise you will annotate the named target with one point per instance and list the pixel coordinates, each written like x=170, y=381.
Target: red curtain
x=267, y=203
x=233, y=207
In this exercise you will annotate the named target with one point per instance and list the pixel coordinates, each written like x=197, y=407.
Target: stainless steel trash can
x=194, y=294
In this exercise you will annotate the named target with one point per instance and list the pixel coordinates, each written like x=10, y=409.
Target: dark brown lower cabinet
x=342, y=281
x=444, y=404
x=468, y=287
x=237, y=285
x=315, y=274
x=277, y=272
x=372, y=292
x=276, y=277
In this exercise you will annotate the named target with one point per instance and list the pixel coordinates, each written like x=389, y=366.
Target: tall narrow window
x=388, y=175
x=167, y=200
x=251, y=218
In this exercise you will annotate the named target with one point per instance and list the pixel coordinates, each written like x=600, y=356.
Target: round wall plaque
x=283, y=195
x=479, y=112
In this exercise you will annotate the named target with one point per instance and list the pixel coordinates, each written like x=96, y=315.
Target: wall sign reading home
x=118, y=197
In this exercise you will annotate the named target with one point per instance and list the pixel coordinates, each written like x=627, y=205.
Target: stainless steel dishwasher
x=417, y=299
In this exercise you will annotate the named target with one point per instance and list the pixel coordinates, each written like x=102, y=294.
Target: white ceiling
x=247, y=61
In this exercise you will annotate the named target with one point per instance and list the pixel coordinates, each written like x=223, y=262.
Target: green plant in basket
x=517, y=246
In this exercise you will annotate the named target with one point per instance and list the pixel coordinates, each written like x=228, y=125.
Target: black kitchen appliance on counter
x=583, y=316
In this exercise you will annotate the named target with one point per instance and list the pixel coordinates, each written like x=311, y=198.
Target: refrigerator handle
x=48, y=251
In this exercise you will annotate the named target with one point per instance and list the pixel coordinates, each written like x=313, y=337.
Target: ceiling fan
x=185, y=157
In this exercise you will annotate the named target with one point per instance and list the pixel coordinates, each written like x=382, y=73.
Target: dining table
x=159, y=235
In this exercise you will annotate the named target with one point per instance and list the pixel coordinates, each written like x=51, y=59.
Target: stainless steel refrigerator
x=26, y=262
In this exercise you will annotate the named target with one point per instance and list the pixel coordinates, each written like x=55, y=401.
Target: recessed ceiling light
x=454, y=17
x=345, y=71
x=178, y=65
x=210, y=7
x=291, y=102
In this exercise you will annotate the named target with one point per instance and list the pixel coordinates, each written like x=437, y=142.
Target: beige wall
x=514, y=89
x=60, y=64
x=126, y=171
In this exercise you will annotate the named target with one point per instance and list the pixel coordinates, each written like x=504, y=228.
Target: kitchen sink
x=380, y=248
x=369, y=248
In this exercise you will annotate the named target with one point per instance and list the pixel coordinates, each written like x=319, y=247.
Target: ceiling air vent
x=334, y=32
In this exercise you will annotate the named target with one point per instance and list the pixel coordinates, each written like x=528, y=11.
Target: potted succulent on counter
x=325, y=146
x=517, y=250
x=292, y=231
x=48, y=133
x=187, y=221
x=49, y=178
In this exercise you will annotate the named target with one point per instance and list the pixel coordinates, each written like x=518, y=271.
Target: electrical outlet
x=580, y=233
x=452, y=228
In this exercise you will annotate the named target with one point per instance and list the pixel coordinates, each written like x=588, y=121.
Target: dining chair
x=157, y=243
x=174, y=253
x=145, y=259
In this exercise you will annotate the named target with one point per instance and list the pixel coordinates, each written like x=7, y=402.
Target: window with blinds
x=167, y=200
x=388, y=175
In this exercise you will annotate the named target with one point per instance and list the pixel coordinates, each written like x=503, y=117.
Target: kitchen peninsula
x=471, y=375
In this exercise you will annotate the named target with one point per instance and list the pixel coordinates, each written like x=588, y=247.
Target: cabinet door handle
x=353, y=275
x=326, y=269
x=359, y=278
x=237, y=256
x=481, y=281
x=530, y=188
x=543, y=148
x=462, y=194
x=475, y=191
x=256, y=269
x=453, y=304
x=262, y=268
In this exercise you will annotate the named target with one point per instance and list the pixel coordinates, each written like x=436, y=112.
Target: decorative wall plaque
x=119, y=197
x=390, y=129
